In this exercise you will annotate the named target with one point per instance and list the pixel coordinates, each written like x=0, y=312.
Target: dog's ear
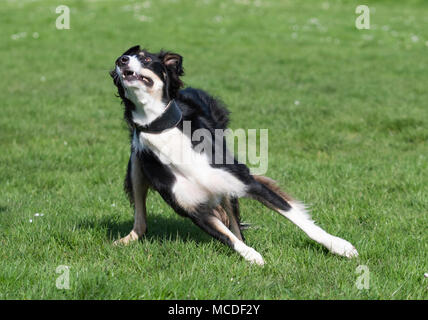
x=132, y=50
x=173, y=62
x=174, y=65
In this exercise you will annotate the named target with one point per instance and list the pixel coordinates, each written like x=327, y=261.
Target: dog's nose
x=123, y=61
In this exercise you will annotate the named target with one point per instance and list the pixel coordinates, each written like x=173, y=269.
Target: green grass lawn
x=347, y=113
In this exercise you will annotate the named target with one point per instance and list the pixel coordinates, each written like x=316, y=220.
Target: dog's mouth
x=130, y=75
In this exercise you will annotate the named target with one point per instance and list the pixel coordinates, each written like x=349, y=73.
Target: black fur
x=213, y=109
x=127, y=184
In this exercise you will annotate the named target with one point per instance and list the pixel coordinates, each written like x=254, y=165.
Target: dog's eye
x=147, y=59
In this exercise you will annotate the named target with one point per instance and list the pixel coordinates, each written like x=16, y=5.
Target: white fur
x=196, y=181
x=299, y=216
x=245, y=251
x=134, y=64
x=136, y=143
x=248, y=253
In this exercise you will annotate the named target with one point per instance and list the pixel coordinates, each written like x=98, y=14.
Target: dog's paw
x=249, y=254
x=132, y=236
x=342, y=247
x=254, y=257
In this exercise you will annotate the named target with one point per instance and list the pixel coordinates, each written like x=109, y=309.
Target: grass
x=347, y=116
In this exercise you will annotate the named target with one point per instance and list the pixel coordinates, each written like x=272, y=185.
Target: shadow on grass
x=159, y=228
x=170, y=229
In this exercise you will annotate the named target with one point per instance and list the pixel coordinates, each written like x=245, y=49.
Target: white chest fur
x=196, y=181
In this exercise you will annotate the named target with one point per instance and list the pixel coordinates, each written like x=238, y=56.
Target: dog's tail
x=273, y=187
x=267, y=192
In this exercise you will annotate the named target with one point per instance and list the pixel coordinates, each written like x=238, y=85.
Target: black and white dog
x=204, y=190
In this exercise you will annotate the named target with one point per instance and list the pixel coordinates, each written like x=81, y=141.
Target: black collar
x=170, y=118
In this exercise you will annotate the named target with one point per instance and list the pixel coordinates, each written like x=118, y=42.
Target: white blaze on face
x=134, y=64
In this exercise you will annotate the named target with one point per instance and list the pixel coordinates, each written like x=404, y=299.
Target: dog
x=156, y=110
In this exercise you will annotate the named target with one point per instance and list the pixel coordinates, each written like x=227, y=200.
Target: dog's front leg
x=216, y=228
x=138, y=186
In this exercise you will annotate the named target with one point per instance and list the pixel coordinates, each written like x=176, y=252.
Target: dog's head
x=141, y=76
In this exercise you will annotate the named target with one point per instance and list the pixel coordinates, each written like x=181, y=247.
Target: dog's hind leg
x=137, y=187
x=214, y=227
x=267, y=192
